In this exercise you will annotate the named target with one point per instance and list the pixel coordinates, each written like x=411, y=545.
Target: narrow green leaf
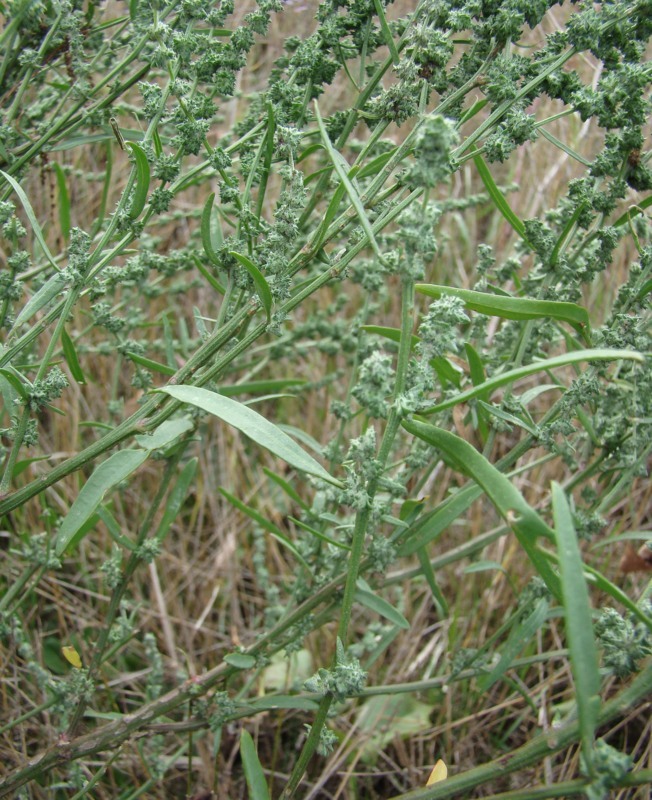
x=507, y=417
x=563, y=146
x=108, y=475
x=252, y=769
x=519, y=636
x=476, y=367
x=22, y=465
x=114, y=529
x=264, y=523
x=289, y=490
x=31, y=216
x=262, y=287
x=633, y=211
x=366, y=597
x=579, y=623
x=432, y=524
x=64, y=201
x=342, y=172
x=309, y=150
x=605, y=585
x=206, y=237
x=447, y=372
x=139, y=197
x=509, y=502
x=50, y=289
x=13, y=378
x=301, y=436
x=511, y=307
x=387, y=34
x=177, y=498
x=240, y=660
x=148, y=363
x=267, y=162
x=475, y=109
x=257, y=387
x=319, y=535
x=210, y=278
x=253, y=425
x=374, y=166
x=331, y=212
x=429, y=575
x=529, y=369
x=498, y=198
x=393, y=334
x=289, y=701
x=484, y=566
x=70, y=355
x=568, y=228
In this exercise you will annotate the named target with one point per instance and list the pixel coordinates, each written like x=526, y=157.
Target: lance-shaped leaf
x=50, y=289
x=498, y=198
x=509, y=502
x=31, y=216
x=512, y=375
x=579, y=624
x=106, y=477
x=262, y=287
x=252, y=768
x=253, y=425
x=498, y=305
x=141, y=188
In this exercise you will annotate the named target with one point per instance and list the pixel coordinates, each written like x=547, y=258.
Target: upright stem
x=361, y=525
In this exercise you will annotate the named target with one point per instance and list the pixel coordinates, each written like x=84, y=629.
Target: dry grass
x=202, y=596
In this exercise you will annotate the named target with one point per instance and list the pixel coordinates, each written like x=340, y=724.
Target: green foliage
x=180, y=225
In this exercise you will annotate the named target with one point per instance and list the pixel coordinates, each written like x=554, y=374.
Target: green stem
x=362, y=523
x=308, y=748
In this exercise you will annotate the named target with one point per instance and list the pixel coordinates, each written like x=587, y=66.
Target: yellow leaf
x=439, y=773
x=71, y=656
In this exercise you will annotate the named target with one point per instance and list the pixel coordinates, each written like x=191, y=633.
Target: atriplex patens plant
x=135, y=122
